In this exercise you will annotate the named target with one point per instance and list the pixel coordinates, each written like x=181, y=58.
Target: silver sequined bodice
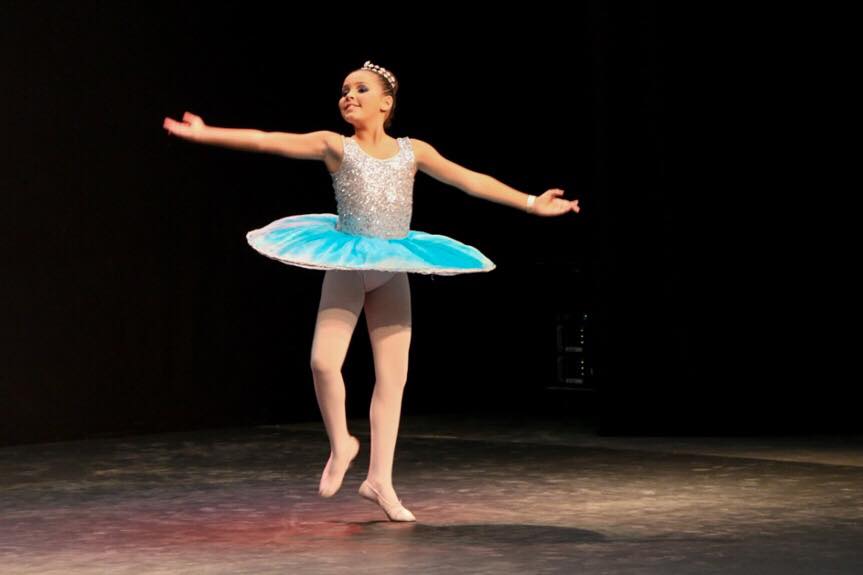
x=375, y=197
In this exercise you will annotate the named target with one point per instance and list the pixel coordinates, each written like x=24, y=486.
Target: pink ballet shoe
x=332, y=482
x=395, y=511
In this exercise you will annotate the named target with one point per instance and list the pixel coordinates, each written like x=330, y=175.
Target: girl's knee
x=323, y=366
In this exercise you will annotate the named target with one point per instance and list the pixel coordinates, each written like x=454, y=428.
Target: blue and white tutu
x=372, y=228
x=313, y=241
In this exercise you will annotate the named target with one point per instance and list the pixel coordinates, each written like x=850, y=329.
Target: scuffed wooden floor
x=490, y=496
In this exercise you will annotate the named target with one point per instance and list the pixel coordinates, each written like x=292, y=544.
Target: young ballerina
x=367, y=251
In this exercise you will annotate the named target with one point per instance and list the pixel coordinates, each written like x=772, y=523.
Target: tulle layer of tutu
x=312, y=241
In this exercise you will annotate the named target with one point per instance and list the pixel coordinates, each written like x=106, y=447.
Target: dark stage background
x=130, y=301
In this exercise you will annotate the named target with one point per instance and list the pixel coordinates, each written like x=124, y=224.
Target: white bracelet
x=530, y=200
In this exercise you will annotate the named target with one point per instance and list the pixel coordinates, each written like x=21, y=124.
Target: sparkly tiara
x=388, y=76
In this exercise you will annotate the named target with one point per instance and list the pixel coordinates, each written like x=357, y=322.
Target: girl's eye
x=361, y=89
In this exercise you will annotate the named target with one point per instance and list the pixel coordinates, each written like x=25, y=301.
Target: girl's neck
x=370, y=135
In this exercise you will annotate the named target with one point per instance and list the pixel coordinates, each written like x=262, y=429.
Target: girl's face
x=363, y=99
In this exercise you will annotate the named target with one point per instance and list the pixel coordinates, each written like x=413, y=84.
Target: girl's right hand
x=190, y=128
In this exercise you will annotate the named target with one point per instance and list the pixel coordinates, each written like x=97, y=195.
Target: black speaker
x=575, y=366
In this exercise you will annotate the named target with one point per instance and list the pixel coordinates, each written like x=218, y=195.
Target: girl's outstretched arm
x=483, y=186
x=310, y=146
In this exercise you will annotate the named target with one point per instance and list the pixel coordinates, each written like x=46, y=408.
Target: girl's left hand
x=550, y=204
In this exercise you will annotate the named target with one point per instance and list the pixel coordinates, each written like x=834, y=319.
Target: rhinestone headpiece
x=388, y=76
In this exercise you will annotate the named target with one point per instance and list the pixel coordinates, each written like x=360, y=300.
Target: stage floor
x=491, y=495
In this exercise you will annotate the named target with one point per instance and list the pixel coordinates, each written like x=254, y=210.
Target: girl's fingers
x=191, y=118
